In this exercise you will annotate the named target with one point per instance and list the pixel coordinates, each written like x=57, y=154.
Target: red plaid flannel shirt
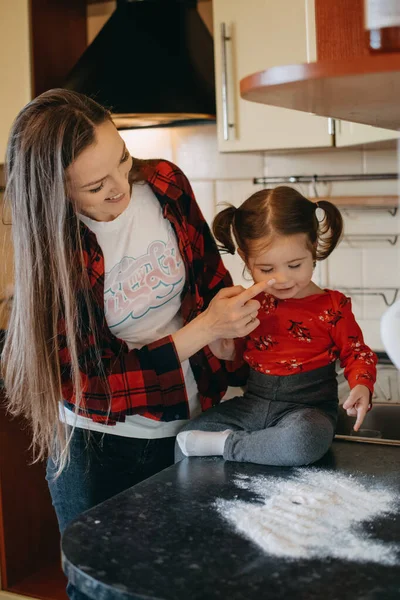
x=150, y=381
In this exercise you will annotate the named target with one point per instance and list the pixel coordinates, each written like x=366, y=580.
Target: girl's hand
x=223, y=349
x=232, y=313
x=357, y=404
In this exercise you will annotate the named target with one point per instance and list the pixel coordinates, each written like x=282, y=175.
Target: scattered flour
x=315, y=514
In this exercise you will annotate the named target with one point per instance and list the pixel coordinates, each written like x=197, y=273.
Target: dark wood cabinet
x=29, y=536
x=59, y=38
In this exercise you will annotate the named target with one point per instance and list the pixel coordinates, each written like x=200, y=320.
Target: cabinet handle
x=224, y=90
x=332, y=130
x=331, y=126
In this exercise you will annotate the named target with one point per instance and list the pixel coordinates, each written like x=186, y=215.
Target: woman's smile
x=115, y=199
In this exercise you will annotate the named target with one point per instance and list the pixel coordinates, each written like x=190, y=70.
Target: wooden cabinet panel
x=340, y=29
x=29, y=536
x=59, y=38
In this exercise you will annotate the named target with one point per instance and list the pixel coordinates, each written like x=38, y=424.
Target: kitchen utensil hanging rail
x=392, y=211
x=383, y=292
x=324, y=178
x=372, y=237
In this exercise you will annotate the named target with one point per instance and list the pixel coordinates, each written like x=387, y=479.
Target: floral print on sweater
x=298, y=335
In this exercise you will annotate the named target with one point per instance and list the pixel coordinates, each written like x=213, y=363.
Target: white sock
x=202, y=443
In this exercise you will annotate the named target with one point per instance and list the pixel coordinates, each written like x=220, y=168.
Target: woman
x=119, y=289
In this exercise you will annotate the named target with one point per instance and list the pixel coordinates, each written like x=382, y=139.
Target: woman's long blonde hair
x=47, y=136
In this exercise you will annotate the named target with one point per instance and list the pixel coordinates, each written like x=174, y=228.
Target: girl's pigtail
x=330, y=229
x=222, y=229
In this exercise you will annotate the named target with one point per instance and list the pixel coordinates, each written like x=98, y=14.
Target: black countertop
x=163, y=539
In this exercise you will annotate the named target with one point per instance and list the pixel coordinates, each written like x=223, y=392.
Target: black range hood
x=152, y=65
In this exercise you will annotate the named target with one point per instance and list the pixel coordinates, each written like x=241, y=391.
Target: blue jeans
x=101, y=466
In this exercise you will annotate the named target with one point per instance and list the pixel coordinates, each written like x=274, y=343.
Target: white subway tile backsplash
x=314, y=162
x=374, y=306
x=235, y=266
x=388, y=187
x=357, y=303
x=371, y=333
x=368, y=221
x=196, y=152
x=233, y=192
x=204, y=194
x=381, y=267
x=320, y=276
x=149, y=143
x=334, y=162
x=345, y=268
x=381, y=161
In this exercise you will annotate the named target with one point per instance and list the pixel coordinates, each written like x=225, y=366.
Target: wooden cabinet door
x=349, y=134
x=30, y=555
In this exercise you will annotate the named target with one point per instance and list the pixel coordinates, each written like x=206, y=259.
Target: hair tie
x=319, y=213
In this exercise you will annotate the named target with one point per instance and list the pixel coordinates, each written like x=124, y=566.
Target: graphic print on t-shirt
x=144, y=278
x=135, y=286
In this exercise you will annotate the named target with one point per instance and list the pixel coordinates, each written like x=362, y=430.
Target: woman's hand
x=357, y=404
x=232, y=313
x=223, y=349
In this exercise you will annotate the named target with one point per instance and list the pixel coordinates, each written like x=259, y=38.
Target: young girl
x=288, y=414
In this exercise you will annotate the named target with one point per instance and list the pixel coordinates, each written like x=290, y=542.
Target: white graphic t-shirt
x=144, y=278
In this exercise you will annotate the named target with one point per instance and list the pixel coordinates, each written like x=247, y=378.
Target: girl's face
x=288, y=261
x=98, y=179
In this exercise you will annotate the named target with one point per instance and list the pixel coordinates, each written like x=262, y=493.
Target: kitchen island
x=164, y=539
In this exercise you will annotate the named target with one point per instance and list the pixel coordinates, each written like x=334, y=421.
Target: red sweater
x=299, y=335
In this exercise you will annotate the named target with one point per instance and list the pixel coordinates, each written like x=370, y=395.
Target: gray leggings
x=281, y=420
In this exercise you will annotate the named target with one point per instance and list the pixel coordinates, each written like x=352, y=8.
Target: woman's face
x=98, y=179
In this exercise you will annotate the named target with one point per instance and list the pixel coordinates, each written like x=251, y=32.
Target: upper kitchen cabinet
x=249, y=36
x=350, y=134
x=346, y=82
x=261, y=35
x=15, y=64
x=41, y=40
